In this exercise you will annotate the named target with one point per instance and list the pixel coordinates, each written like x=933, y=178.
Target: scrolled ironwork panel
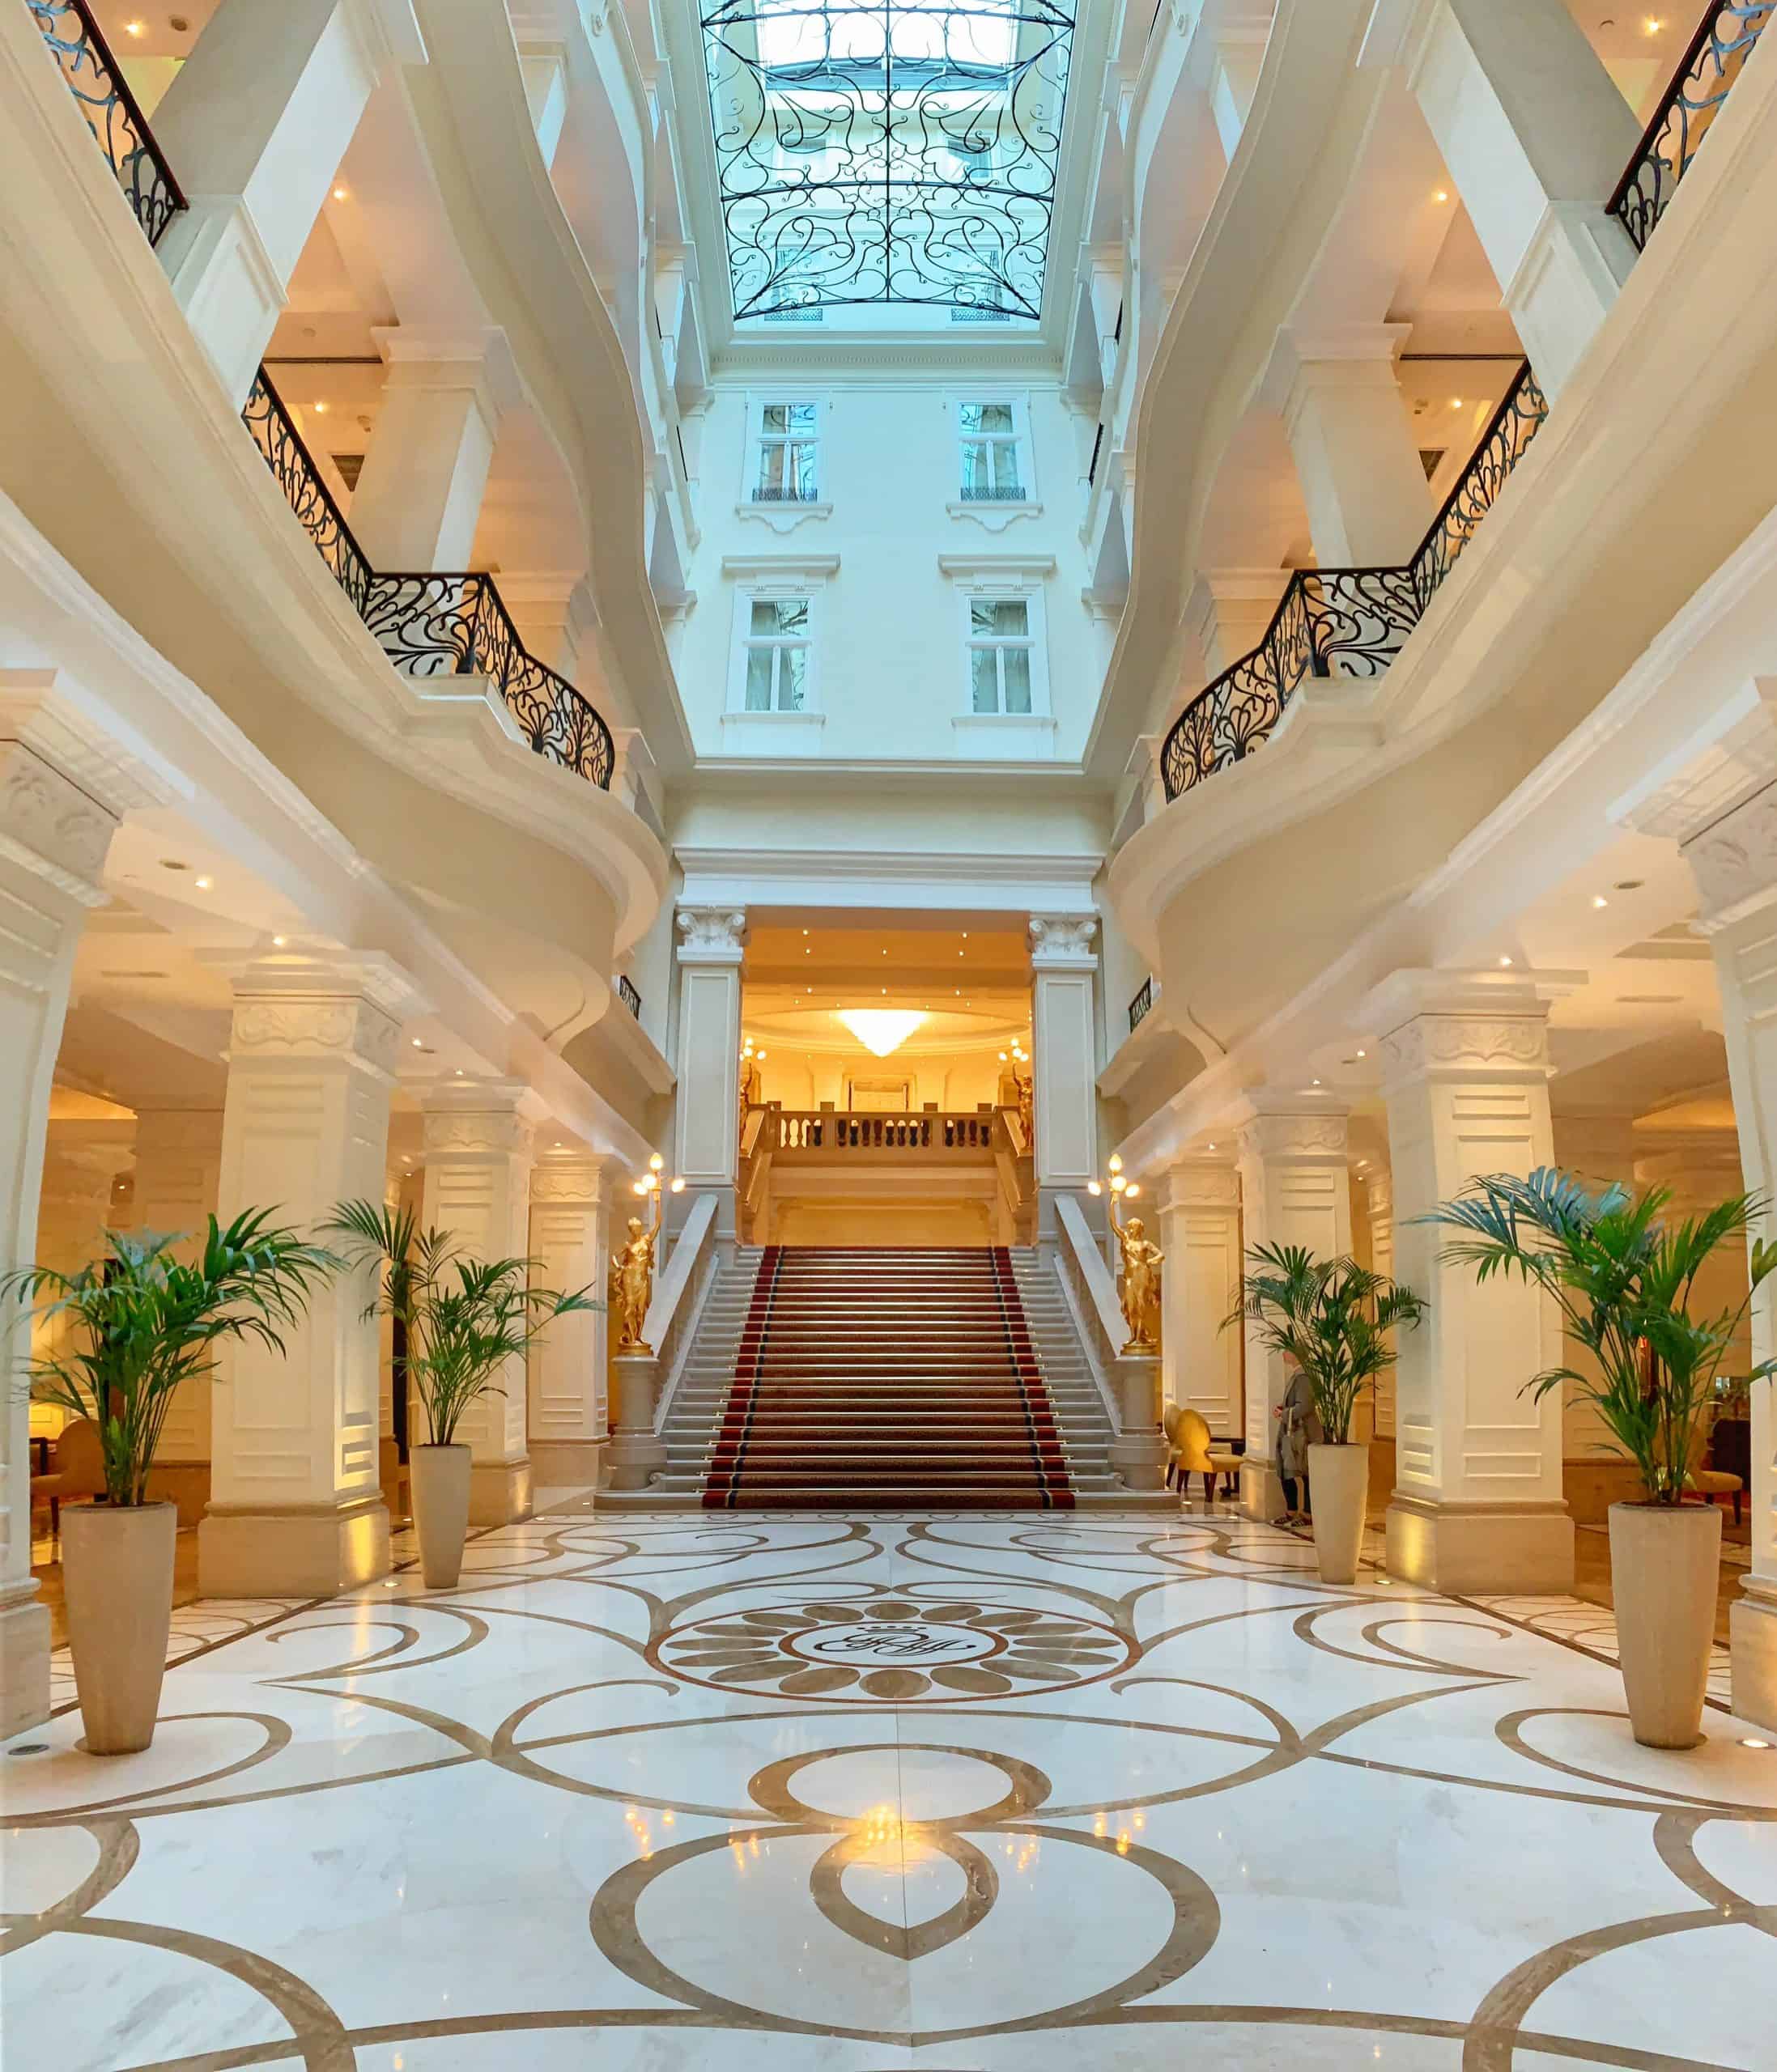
x=103, y=98
x=1706, y=74
x=1516, y=422
x=903, y=151
x=1358, y=618
x=293, y=467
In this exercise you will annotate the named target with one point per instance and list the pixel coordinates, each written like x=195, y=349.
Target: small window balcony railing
x=627, y=994
x=432, y=624
x=1346, y=621
x=786, y=493
x=103, y=96
x=1712, y=62
x=1140, y=1006
x=995, y=493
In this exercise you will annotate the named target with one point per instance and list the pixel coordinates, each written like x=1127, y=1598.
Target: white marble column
x=419, y=498
x=1064, y=1045
x=478, y=1152
x=295, y=1507
x=570, y=1239
x=1536, y=136
x=1295, y=1189
x=178, y=1175
x=1200, y=1287
x=706, y=1129
x=1478, y=1502
x=62, y=791
x=1734, y=862
x=553, y=613
x=254, y=126
x=1243, y=29
x=1599, y=1149
x=1229, y=610
x=1356, y=454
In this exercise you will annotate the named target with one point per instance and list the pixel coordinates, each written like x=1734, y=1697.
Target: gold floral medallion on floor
x=892, y=1650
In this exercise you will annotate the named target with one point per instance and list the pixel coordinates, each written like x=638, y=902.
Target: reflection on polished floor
x=872, y=1792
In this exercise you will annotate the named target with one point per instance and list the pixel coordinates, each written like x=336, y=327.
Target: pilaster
x=1478, y=1502
x=1064, y=1043
x=295, y=1508
x=477, y=1147
x=569, y=1240
x=1734, y=861
x=1295, y=1189
x=711, y=945
x=63, y=788
x=1199, y=1288
x=1378, y=1211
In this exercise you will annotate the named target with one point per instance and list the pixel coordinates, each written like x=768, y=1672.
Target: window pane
x=995, y=417
x=758, y=679
x=792, y=679
x=1005, y=463
x=969, y=416
x=799, y=481
x=981, y=611
x=801, y=417
x=764, y=618
x=1016, y=663
x=771, y=468
x=983, y=680
x=776, y=417
x=1002, y=617
x=792, y=614
x=974, y=464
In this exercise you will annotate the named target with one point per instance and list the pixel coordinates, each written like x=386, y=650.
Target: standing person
x=1300, y=1429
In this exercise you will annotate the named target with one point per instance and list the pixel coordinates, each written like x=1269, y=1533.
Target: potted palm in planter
x=463, y=1319
x=1623, y=1275
x=144, y=1322
x=1332, y=1319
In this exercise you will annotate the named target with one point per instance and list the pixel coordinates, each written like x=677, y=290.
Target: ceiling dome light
x=881, y=1029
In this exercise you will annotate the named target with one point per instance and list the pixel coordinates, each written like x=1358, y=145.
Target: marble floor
x=850, y=1794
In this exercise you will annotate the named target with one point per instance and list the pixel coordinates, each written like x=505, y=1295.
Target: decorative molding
x=579, y=1182
x=51, y=826
x=1735, y=861
x=790, y=566
x=1063, y=942
x=1466, y=1043
x=1201, y=1183
x=481, y=1132
x=1321, y=1136
x=996, y=517
x=782, y=518
x=996, y=569
x=711, y=935
x=348, y=1027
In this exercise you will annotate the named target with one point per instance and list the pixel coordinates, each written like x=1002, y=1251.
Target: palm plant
x=463, y=1317
x=1331, y=1318
x=1622, y=1276
x=144, y=1321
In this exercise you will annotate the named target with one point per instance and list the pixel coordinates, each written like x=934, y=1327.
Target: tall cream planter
x=1338, y=1487
x=440, y=1480
x=1665, y=1561
x=117, y=1573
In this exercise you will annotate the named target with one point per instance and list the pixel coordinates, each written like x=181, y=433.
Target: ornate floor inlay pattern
x=823, y=1794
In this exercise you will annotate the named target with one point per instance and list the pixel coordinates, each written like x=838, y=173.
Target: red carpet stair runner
x=899, y=1378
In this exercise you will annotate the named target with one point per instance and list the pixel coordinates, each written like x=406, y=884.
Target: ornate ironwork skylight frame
x=898, y=151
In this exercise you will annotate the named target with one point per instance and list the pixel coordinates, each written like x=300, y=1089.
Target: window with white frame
x=785, y=452
x=776, y=652
x=995, y=453
x=1001, y=652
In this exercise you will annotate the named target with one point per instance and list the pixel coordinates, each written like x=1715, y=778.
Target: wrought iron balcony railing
x=103, y=98
x=995, y=493
x=1346, y=621
x=786, y=493
x=627, y=994
x=432, y=624
x=1139, y=1006
x=1712, y=62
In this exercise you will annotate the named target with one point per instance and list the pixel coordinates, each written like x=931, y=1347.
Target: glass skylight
x=897, y=152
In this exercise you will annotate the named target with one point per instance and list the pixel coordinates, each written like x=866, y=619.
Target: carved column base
x=292, y=1553
x=499, y=1491
x=636, y=1453
x=1261, y=1489
x=1460, y=1548
x=1752, y=1638
x=24, y=1661
x=1138, y=1453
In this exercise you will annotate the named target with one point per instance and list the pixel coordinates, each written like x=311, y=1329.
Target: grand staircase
x=900, y=1379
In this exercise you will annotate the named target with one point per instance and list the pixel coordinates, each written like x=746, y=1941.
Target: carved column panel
x=294, y=1506
x=706, y=1139
x=1064, y=1039
x=1478, y=1502
x=1734, y=862
x=1295, y=1189
x=1200, y=1233
x=477, y=1151
x=62, y=790
x=570, y=1239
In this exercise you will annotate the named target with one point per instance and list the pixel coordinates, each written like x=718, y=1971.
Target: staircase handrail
x=680, y=1293
x=1090, y=1289
x=939, y=1132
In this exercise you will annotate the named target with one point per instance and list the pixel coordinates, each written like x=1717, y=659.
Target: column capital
x=479, y=1117
x=1348, y=355
x=1318, y=1135
x=1063, y=942
x=1734, y=861
x=572, y=1177
x=1463, y=1021
x=1199, y=1183
x=479, y=358
x=349, y=1009
x=711, y=935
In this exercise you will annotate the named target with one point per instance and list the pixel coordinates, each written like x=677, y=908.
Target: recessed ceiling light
x=203, y=884
x=135, y=29
x=277, y=942
x=341, y=193
x=418, y=1045
x=1505, y=962
x=1652, y=25
x=1441, y=194
x=1361, y=1054
x=320, y=409
x=1753, y=1741
x=1455, y=402
x=1598, y=899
